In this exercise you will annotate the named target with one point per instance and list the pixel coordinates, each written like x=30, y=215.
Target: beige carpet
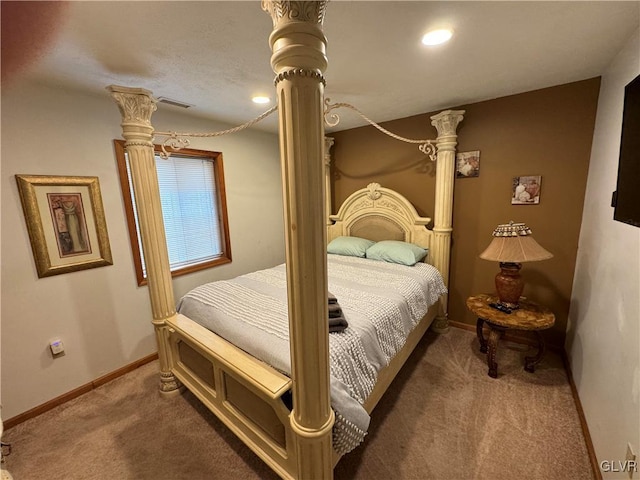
x=443, y=418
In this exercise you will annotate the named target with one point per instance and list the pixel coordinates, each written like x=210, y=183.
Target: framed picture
x=66, y=223
x=525, y=190
x=468, y=164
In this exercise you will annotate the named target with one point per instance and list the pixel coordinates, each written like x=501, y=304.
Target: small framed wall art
x=66, y=223
x=525, y=190
x=468, y=164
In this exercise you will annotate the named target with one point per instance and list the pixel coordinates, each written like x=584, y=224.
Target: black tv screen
x=626, y=198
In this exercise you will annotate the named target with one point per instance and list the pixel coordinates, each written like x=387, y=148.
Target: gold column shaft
x=328, y=143
x=136, y=107
x=446, y=123
x=299, y=60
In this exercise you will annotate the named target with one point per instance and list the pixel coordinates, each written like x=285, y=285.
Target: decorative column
x=136, y=107
x=328, y=143
x=446, y=123
x=299, y=60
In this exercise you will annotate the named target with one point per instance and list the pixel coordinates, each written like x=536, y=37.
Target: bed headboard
x=379, y=213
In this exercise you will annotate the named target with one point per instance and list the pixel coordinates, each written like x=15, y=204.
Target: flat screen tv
x=626, y=198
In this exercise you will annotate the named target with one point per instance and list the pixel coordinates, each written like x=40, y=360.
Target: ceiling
x=215, y=55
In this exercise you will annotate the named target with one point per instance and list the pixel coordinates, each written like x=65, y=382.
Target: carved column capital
x=297, y=41
x=328, y=143
x=295, y=11
x=136, y=106
x=447, y=122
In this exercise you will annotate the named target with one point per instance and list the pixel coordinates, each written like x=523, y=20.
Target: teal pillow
x=394, y=251
x=350, y=246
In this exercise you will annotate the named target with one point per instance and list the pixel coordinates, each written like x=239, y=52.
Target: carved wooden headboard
x=379, y=213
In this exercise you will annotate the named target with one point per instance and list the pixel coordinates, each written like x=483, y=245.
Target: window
x=194, y=210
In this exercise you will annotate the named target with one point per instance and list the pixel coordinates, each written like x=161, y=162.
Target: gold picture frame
x=66, y=223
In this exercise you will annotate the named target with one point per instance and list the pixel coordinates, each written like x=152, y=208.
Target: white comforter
x=381, y=301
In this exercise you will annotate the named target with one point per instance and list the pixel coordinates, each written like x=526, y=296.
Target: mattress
x=382, y=303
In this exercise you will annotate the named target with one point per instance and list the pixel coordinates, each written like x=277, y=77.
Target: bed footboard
x=247, y=395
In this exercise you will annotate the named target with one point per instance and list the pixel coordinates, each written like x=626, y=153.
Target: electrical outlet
x=632, y=465
x=57, y=347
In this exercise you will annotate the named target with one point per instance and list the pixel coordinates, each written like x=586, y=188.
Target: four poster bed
x=277, y=397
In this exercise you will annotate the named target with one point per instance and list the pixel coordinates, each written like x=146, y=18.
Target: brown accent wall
x=546, y=132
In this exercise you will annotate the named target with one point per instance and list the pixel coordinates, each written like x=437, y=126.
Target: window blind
x=189, y=209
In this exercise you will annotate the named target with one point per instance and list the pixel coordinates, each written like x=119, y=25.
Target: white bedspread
x=381, y=301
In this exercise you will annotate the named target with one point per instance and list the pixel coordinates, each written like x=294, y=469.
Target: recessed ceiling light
x=436, y=37
x=260, y=99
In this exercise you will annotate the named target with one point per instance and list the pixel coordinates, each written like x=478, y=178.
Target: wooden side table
x=530, y=316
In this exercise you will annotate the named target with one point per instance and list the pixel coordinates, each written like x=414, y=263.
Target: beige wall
x=603, y=336
x=546, y=132
x=102, y=316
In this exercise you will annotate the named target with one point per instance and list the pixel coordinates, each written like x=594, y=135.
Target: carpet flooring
x=443, y=418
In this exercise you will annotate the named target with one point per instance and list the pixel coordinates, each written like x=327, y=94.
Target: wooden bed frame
x=286, y=421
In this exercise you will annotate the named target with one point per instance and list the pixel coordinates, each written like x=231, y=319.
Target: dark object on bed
x=337, y=322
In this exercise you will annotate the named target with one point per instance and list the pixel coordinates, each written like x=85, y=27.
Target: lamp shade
x=514, y=243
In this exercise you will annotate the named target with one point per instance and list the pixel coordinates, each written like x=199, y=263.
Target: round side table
x=530, y=316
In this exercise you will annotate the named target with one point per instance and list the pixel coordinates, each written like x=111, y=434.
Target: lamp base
x=509, y=284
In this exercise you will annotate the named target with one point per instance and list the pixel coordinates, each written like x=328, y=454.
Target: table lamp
x=512, y=245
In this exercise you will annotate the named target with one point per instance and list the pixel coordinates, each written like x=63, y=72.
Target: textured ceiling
x=215, y=55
